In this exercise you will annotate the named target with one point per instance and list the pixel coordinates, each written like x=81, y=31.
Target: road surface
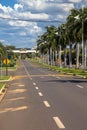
x=41, y=99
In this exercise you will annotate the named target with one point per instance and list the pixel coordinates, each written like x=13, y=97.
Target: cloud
x=75, y=1
x=18, y=7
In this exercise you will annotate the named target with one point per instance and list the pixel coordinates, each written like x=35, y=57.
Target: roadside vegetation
x=1, y=85
x=62, y=70
x=65, y=46
x=8, y=61
x=4, y=78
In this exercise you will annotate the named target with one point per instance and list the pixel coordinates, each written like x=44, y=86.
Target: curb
x=3, y=92
x=2, y=81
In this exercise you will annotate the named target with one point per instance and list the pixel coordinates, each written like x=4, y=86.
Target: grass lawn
x=4, y=77
x=9, y=68
x=1, y=85
x=62, y=69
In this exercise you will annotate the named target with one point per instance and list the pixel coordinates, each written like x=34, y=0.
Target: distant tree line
x=6, y=53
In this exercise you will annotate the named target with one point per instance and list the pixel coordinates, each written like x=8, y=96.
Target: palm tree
x=70, y=29
x=81, y=32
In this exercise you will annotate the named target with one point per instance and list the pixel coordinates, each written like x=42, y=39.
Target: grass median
x=72, y=71
x=4, y=78
x=1, y=85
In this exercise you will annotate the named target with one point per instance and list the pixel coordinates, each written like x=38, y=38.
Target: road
x=41, y=99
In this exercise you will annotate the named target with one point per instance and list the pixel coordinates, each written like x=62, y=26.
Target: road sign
x=6, y=61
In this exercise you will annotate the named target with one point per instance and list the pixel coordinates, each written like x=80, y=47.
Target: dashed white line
x=34, y=84
x=40, y=94
x=79, y=86
x=36, y=88
x=58, y=77
x=46, y=104
x=30, y=78
x=58, y=122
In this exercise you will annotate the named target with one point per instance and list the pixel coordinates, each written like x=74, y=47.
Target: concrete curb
x=1, y=90
x=2, y=81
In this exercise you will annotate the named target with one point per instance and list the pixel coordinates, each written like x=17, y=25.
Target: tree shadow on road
x=68, y=80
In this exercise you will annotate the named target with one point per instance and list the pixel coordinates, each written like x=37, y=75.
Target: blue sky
x=8, y=2
x=25, y=33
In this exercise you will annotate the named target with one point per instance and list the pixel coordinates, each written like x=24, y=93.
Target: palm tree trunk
x=70, y=55
x=85, y=54
x=51, y=56
x=65, y=64
x=77, y=55
x=60, y=55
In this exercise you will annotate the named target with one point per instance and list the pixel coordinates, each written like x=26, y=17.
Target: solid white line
x=37, y=88
x=58, y=122
x=34, y=83
x=79, y=86
x=26, y=70
x=46, y=103
x=40, y=94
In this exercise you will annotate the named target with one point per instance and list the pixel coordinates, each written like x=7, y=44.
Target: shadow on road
x=68, y=80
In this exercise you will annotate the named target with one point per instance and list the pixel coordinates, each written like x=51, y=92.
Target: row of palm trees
x=66, y=44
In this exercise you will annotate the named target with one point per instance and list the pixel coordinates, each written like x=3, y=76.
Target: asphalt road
x=41, y=99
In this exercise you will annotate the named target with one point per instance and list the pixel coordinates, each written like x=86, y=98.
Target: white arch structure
x=24, y=51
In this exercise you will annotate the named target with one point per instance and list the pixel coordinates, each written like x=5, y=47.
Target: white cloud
x=75, y=1
x=18, y=6
x=18, y=23
x=5, y=9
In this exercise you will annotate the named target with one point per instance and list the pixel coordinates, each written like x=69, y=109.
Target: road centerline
x=34, y=83
x=40, y=94
x=36, y=88
x=46, y=104
x=79, y=86
x=58, y=122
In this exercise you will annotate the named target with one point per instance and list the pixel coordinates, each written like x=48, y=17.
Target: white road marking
x=37, y=88
x=26, y=70
x=58, y=122
x=40, y=94
x=30, y=78
x=46, y=104
x=34, y=83
x=58, y=77
x=79, y=86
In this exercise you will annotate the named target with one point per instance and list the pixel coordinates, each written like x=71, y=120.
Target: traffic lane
x=34, y=69
x=38, y=73
x=67, y=101
x=22, y=108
